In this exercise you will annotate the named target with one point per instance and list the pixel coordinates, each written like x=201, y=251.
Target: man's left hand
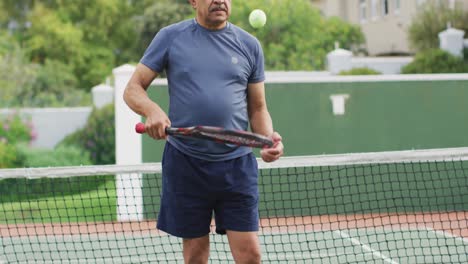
x=276, y=151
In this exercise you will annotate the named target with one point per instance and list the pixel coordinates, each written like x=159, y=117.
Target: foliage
x=59, y=202
x=3, y=15
x=82, y=34
x=94, y=65
x=360, y=71
x=8, y=44
x=54, y=86
x=60, y=156
x=157, y=16
x=432, y=19
x=90, y=38
x=16, y=73
x=97, y=137
x=296, y=36
x=51, y=36
x=22, y=155
x=33, y=85
x=26, y=189
x=436, y=61
x=13, y=130
x=8, y=155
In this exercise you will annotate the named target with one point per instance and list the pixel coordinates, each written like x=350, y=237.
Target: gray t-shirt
x=207, y=72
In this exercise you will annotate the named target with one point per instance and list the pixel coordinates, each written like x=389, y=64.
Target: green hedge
x=97, y=137
x=436, y=61
x=360, y=71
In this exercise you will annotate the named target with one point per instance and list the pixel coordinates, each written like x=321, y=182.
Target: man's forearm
x=137, y=99
x=261, y=123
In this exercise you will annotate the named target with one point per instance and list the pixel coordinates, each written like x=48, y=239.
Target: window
x=420, y=2
x=374, y=10
x=363, y=10
x=384, y=7
x=397, y=6
x=452, y=4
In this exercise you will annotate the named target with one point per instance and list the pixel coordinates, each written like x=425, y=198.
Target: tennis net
x=385, y=207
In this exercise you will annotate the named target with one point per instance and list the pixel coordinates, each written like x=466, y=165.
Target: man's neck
x=219, y=26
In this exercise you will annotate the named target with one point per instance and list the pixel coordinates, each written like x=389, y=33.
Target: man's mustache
x=220, y=7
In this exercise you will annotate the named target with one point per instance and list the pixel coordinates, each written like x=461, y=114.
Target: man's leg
x=245, y=247
x=196, y=250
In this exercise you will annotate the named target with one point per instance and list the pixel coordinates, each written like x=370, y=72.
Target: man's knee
x=247, y=256
x=196, y=250
x=245, y=247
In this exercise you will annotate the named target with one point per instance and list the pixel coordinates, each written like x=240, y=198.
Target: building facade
x=384, y=22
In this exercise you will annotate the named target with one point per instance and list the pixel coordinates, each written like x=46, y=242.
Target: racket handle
x=140, y=129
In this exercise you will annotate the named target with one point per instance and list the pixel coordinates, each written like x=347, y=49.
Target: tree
x=15, y=71
x=26, y=84
x=432, y=19
x=296, y=36
x=90, y=38
x=157, y=16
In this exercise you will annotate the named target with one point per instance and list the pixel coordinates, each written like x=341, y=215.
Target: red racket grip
x=140, y=128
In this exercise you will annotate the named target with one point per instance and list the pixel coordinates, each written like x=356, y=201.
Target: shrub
x=431, y=19
x=97, y=137
x=54, y=86
x=60, y=156
x=360, y=71
x=14, y=130
x=16, y=74
x=435, y=61
x=25, y=84
x=20, y=189
x=8, y=155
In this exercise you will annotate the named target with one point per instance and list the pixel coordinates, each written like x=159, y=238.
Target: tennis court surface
x=386, y=207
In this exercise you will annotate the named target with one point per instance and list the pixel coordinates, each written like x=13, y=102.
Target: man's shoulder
x=178, y=27
x=244, y=36
x=242, y=33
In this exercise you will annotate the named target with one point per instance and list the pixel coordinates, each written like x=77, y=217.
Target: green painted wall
x=359, y=189
x=380, y=116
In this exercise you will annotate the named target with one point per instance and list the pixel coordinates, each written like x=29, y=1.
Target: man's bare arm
x=136, y=97
x=260, y=121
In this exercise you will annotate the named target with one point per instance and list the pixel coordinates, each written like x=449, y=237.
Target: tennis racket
x=216, y=134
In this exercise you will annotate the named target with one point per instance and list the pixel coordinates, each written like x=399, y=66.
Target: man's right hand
x=156, y=124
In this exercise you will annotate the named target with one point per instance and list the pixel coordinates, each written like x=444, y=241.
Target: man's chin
x=218, y=20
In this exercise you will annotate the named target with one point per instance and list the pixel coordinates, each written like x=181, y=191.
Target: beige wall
x=385, y=34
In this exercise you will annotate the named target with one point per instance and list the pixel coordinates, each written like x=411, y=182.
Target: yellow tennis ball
x=257, y=18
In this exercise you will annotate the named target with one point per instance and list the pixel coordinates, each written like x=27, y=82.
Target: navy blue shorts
x=194, y=189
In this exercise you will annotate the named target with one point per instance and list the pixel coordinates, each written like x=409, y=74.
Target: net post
x=128, y=150
x=129, y=197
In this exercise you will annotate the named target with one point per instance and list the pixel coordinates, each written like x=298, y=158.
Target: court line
x=447, y=234
x=297, y=256
x=2, y=261
x=114, y=260
x=365, y=247
x=281, y=256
